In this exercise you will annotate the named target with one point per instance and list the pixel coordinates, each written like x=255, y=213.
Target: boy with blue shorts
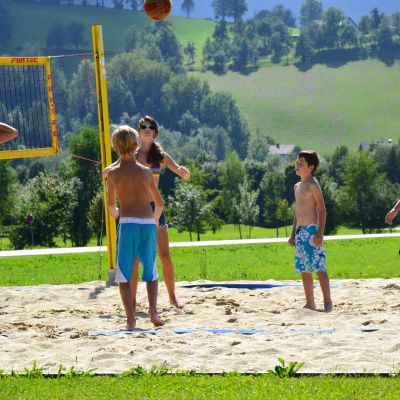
x=134, y=185
x=308, y=230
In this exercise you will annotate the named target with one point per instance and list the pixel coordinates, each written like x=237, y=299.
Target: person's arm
x=180, y=170
x=111, y=198
x=391, y=215
x=320, y=206
x=155, y=195
x=106, y=170
x=292, y=234
x=7, y=133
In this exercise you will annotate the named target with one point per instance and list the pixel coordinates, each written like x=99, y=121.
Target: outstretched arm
x=7, y=133
x=391, y=215
x=180, y=170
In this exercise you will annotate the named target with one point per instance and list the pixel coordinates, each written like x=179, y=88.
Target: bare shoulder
x=315, y=187
x=296, y=185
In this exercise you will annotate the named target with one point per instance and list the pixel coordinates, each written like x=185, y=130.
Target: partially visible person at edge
x=151, y=154
x=390, y=216
x=7, y=133
x=134, y=186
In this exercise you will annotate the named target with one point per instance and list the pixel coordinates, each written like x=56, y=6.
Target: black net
x=24, y=104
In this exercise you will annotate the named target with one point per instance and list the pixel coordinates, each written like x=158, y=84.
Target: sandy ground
x=55, y=325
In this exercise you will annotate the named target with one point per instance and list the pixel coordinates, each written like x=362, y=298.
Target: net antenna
x=26, y=103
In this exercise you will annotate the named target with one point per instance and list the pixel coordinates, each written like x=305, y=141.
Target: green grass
x=360, y=258
x=201, y=387
x=321, y=108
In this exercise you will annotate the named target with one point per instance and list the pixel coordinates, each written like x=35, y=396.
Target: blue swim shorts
x=308, y=258
x=137, y=237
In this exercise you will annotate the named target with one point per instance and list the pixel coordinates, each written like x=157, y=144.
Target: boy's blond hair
x=124, y=140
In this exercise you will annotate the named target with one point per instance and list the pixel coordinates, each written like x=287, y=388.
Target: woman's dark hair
x=156, y=153
x=311, y=158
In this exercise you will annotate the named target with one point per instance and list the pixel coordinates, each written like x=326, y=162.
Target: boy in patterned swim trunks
x=308, y=230
x=134, y=185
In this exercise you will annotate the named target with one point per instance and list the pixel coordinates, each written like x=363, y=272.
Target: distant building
x=281, y=149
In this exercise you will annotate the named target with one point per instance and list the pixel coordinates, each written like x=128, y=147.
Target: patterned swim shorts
x=308, y=258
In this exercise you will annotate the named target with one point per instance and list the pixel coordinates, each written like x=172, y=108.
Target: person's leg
x=167, y=266
x=152, y=292
x=126, y=296
x=326, y=290
x=134, y=282
x=308, y=285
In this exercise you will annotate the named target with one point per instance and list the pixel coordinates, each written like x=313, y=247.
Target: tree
x=272, y=191
x=221, y=8
x=376, y=18
x=383, y=35
x=246, y=207
x=189, y=209
x=304, y=49
x=311, y=11
x=357, y=197
x=130, y=38
x=190, y=51
x=333, y=22
x=7, y=180
x=237, y=8
x=75, y=32
x=364, y=25
x=132, y=4
x=85, y=144
x=6, y=26
x=284, y=213
x=51, y=201
x=56, y=36
x=232, y=175
x=187, y=6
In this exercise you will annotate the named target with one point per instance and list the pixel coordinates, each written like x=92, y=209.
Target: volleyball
x=157, y=9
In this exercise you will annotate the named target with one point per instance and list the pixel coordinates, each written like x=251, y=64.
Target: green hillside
x=321, y=108
x=33, y=21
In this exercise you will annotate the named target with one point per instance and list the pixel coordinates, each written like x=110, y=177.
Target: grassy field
x=322, y=108
x=202, y=387
x=358, y=259
x=361, y=258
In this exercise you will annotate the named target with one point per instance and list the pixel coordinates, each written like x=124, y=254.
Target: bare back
x=306, y=204
x=131, y=182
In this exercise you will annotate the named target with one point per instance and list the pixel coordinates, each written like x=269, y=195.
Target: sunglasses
x=144, y=126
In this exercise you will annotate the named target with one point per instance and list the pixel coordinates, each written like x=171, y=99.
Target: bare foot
x=174, y=301
x=396, y=307
x=328, y=307
x=310, y=307
x=131, y=324
x=156, y=320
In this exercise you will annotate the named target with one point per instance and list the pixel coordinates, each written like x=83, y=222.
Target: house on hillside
x=285, y=151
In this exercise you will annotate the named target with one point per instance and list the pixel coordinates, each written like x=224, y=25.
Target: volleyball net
x=26, y=103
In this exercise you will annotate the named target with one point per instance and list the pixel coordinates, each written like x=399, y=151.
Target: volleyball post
x=105, y=142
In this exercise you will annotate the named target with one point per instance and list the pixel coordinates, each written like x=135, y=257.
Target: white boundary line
x=76, y=250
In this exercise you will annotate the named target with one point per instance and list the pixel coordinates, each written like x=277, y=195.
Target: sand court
x=227, y=329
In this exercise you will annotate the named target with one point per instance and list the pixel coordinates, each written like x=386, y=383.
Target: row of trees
x=359, y=187
x=243, y=43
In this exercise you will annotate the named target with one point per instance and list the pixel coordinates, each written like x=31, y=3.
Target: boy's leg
x=168, y=267
x=134, y=282
x=126, y=296
x=326, y=290
x=152, y=292
x=308, y=285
